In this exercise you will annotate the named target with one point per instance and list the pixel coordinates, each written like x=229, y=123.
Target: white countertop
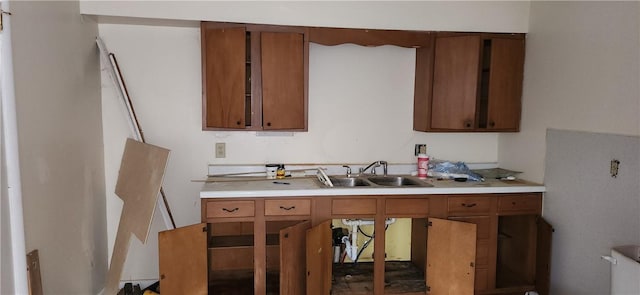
x=310, y=186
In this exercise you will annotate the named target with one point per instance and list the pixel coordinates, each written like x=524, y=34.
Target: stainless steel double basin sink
x=377, y=181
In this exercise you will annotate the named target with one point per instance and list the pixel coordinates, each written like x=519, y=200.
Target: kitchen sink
x=377, y=181
x=395, y=181
x=348, y=181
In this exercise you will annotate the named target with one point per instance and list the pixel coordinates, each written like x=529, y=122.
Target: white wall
x=360, y=110
x=490, y=16
x=360, y=99
x=57, y=90
x=581, y=73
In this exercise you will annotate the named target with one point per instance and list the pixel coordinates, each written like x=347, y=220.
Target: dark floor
x=400, y=278
x=354, y=279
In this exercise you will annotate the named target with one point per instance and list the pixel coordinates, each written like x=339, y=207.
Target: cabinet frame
x=232, y=113
x=449, y=92
x=527, y=205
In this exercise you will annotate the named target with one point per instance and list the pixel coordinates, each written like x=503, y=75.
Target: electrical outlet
x=420, y=148
x=613, y=168
x=221, y=150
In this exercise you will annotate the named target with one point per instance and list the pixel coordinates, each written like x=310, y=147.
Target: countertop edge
x=319, y=192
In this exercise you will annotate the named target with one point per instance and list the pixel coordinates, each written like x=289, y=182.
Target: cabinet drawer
x=469, y=205
x=287, y=207
x=217, y=209
x=353, y=206
x=407, y=206
x=520, y=204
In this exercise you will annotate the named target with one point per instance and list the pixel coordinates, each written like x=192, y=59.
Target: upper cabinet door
x=223, y=77
x=183, y=260
x=283, y=80
x=319, y=259
x=505, y=83
x=451, y=256
x=455, y=82
x=292, y=256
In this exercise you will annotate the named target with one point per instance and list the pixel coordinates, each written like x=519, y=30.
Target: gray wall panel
x=590, y=210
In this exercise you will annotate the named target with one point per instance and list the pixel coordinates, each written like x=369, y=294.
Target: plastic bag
x=450, y=170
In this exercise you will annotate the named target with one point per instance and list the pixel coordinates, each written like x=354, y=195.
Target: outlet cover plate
x=221, y=150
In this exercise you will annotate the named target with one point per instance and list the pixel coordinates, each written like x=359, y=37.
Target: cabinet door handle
x=287, y=208
x=238, y=122
x=467, y=124
x=468, y=205
x=268, y=123
x=230, y=210
x=492, y=124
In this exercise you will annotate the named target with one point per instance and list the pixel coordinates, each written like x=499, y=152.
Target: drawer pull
x=287, y=208
x=230, y=210
x=468, y=205
x=513, y=203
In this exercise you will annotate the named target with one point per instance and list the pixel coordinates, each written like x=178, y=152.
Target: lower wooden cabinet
x=500, y=245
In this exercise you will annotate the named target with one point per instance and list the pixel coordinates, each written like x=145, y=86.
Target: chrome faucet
x=348, y=170
x=373, y=167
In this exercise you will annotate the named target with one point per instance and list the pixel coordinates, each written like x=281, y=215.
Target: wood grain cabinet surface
x=469, y=205
x=230, y=209
x=284, y=245
x=287, y=207
x=254, y=77
x=470, y=82
x=406, y=206
x=519, y=204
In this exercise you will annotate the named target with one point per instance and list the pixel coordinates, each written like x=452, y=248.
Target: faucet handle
x=348, y=170
x=384, y=166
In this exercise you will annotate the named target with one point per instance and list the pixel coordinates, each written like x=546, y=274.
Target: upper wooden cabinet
x=469, y=82
x=254, y=77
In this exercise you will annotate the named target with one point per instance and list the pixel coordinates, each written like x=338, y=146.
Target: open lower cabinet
x=299, y=259
x=523, y=253
x=447, y=268
x=221, y=259
x=478, y=244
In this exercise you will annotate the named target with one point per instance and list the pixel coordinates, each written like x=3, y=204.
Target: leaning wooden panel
x=183, y=260
x=451, y=255
x=139, y=182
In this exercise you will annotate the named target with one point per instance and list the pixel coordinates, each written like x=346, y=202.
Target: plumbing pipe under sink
x=351, y=244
